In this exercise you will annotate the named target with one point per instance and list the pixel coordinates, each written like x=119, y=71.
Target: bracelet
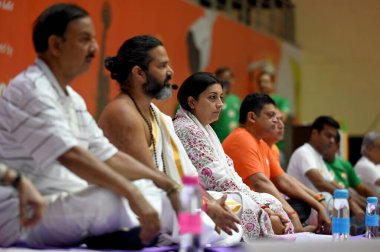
x=319, y=197
x=16, y=182
x=264, y=206
x=173, y=190
x=292, y=213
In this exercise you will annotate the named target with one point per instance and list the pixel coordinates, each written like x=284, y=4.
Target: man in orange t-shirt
x=250, y=156
x=255, y=162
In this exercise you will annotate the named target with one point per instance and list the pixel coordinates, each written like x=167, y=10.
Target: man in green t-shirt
x=266, y=85
x=345, y=174
x=229, y=116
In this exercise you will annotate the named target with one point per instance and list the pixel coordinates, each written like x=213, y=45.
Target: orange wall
x=233, y=45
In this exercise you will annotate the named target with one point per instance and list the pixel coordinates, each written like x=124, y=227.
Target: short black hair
x=54, y=21
x=320, y=122
x=221, y=70
x=254, y=102
x=193, y=86
x=133, y=52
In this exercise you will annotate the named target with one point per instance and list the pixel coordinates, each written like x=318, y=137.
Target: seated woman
x=200, y=97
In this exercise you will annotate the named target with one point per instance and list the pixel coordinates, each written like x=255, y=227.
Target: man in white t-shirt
x=47, y=135
x=306, y=163
x=368, y=166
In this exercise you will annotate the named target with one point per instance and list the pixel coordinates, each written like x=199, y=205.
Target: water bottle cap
x=190, y=180
x=341, y=194
x=372, y=200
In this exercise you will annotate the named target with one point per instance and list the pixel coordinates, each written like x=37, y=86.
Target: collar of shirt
x=50, y=76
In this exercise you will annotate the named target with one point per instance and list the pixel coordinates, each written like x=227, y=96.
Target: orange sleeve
x=276, y=152
x=243, y=149
x=274, y=164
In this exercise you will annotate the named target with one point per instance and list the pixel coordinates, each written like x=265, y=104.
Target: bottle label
x=340, y=225
x=371, y=215
x=372, y=220
x=190, y=223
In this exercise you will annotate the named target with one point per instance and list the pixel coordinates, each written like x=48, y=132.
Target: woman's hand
x=280, y=224
x=221, y=215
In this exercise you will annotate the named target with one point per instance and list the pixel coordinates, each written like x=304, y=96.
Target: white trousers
x=69, y=218
x=90, y=212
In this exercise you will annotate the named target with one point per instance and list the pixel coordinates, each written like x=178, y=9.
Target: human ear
x=191, y=102
x=314, y=132
x=251, y=116
x=55, y=44
x=138, y=73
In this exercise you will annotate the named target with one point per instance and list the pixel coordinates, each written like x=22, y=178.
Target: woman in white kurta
x=200, y=101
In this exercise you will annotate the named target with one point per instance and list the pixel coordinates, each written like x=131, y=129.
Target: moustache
x=90, y=56
x=171, y=85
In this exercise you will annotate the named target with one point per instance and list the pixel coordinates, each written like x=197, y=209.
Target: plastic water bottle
x=341, y=216
x=190, y=222
x=371, y=218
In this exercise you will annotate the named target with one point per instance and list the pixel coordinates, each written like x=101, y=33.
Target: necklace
x=149, y=124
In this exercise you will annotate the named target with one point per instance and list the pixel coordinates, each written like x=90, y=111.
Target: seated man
x=368, y=166
x=251, y=155
x=302, y=199
x=307, y=165
x=48, y=135
x=137, y=127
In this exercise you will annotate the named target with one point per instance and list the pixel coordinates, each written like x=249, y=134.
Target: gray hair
x=369, y=141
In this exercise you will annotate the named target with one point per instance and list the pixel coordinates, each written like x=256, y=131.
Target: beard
x=155, y=89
